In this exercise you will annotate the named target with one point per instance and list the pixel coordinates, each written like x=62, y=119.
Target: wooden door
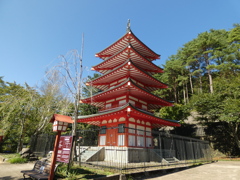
x=111, y=136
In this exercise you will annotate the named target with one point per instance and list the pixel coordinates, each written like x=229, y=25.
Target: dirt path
x=222, y=170
x=12, y=171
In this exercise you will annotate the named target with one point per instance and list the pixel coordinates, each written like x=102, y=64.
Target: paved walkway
x=222, y=170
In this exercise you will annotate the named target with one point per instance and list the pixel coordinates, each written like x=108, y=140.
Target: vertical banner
x=64, y=149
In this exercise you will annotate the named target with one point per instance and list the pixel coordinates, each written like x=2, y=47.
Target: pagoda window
x=131, y=128
x=108, y=106
x=148, y=142
x=102, y=140
x=140, y=141
x=132, y=102
x=140, y=130
x=144, y=107
x=131, y=140
x=148, y=131
x=103, y=130
x=121, y=128
x=121, y=140
x=122, y=102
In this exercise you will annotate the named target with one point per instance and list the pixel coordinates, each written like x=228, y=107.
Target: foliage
x=14, y=158
x=204, y=77
x=177, y=112
x=77, y=172
x=18, y=160
x=220, y=113
x=24, y=111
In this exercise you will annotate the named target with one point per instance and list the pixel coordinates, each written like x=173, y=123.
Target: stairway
x=170, y=160
x=91, y=154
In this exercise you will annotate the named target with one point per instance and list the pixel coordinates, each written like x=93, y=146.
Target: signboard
x=64, y=149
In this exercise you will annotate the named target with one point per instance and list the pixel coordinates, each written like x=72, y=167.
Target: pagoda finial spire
x=128, y=25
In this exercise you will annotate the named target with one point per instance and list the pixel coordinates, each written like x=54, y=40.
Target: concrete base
x=130, y=155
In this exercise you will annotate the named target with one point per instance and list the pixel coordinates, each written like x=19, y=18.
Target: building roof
x=131, y=88
x=123, y=111
x=128, y=52
x=128, y=38
x=62, y=118
x=128, y=69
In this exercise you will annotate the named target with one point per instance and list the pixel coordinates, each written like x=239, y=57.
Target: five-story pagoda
x=125, y=100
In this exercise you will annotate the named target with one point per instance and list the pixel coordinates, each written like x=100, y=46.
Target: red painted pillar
x=54, y=155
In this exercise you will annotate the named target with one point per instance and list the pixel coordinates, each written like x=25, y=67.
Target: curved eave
x=133, y=89
x=96, y=119
x=126, y=110
x=129, y=37
x=120, y=57
x=152, y=118
x=128, y=69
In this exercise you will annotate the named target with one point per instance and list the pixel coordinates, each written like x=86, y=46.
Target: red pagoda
x=125, y=100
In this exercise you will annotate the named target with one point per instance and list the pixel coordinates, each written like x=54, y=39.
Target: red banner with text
x=64, y=149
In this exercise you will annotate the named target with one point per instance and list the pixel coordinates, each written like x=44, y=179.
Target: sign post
x=54, y=155
x=60, y=124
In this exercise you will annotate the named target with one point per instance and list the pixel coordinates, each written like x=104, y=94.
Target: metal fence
x=167, y=150
x=41, y=144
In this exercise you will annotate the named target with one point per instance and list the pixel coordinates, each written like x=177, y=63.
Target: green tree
x=24, y=111
x=220, y=113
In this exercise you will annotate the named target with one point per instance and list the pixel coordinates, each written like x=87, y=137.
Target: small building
x=126, y=100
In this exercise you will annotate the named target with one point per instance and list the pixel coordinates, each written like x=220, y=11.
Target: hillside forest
x=203, y=78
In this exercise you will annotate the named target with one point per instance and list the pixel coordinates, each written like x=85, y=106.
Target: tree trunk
x=184, y=95
x=200, y=84
x=191, y=84
x=187, y=98
x=210, y=81
x=206, y=56
x=20, y=142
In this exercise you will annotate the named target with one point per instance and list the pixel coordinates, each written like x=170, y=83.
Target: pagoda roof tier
x=124, y=111
x=128, y=87
x=126, y=70
x=128, y=52
x=129, y=37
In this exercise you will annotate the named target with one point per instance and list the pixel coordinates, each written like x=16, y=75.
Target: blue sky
x=33, y=33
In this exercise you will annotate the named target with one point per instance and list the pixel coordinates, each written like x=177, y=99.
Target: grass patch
x=229, y=159
x=77, y=172
x=9, y=155
x=14, y=158
x=18, y=160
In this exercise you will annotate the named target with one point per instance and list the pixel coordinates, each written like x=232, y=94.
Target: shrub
x=18, y=160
